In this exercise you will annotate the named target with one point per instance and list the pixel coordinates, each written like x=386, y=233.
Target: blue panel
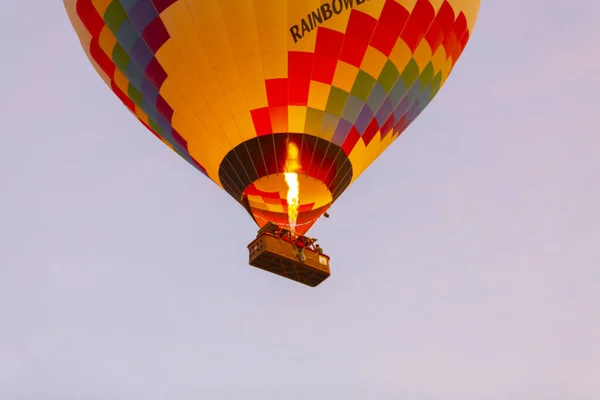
x=352, y=108
x=141, y=54
x=341, y=132
x=364, y=119
x=142, y=14
x=127, y=36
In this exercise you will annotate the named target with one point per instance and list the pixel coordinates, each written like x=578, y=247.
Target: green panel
x=336, y=102
x=314, y=121
x=436, y=83
x=114, y=16
x=426, y=75
x=389, y=76
x=410, y=73
x=120, y=58
x=134, y=95
x=154, y=126
x=363, y=85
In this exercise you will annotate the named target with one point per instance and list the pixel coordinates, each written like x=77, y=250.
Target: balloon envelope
x=282, y=103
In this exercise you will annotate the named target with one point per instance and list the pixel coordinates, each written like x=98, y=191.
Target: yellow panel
x=269, y=12
x=121, y=81
x=170, y=93
x=101, y=6
x=439, y=59
x=245, y=125
x=361, y=157
x=275, y=65
x=107, y=41
x=345, y=75
x=188, y=87
x=447, y=68
x=296, y=118
x=256, y=93
x=232, y=132
x=318, y=95
x=469, y=7
x=408, y=4
x=271, y=40
x=257, y=202
x=437, y=4
x=236, y=99
x=373, y=61
x=245, y=44
x=400, y=55
x=228, y=77
x=373, y=8
x=253, y=70
x=220, y=110
x=422, y=54
x=278, y=208
x=219, y=50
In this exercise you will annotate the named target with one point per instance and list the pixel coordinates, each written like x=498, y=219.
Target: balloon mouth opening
x=291, y=200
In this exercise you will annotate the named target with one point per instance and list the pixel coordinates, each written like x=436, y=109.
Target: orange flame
x=291, y=178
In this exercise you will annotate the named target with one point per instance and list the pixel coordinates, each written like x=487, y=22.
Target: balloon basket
x=276, y=255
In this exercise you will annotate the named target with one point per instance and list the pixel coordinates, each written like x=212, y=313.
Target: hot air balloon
x=281, y=103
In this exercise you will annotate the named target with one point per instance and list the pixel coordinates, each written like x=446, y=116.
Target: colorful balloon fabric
x=282, y=103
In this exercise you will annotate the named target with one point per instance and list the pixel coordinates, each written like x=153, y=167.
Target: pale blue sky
x=466, y=260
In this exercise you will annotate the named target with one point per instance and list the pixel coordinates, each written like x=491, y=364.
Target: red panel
x=179, y=139
x=360, y=26
x=155, y=73
x=353, y=51
x=164, y=108
x=434, y=35
x=275, y=200
x=384, y=39
x=277, y=92
x=460, y=25
x=351, y=140
x=445, y=18
x=370, y=132
x=102, y=59
x=306, y=207
x=155, y=35
x=387, y=126
x=299, y=64
x=423, y=14
x=298, y=92
x=262, y=121
x=279, y=118
x=162, y=5
x=394, y=15
x=412, y=34
x=122, y=96
x=420, y=19
x=90, y=17
x=328, y=42
x=324, y=69
x=450, y=44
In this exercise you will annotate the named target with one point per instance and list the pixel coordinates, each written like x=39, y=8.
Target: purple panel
x=149, y=92
x=141, y=54
x=364, y=119
x=384, y=112
x=341, y=132
x=142, y=14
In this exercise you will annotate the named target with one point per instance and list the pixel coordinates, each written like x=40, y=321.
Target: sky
x=465, y=260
